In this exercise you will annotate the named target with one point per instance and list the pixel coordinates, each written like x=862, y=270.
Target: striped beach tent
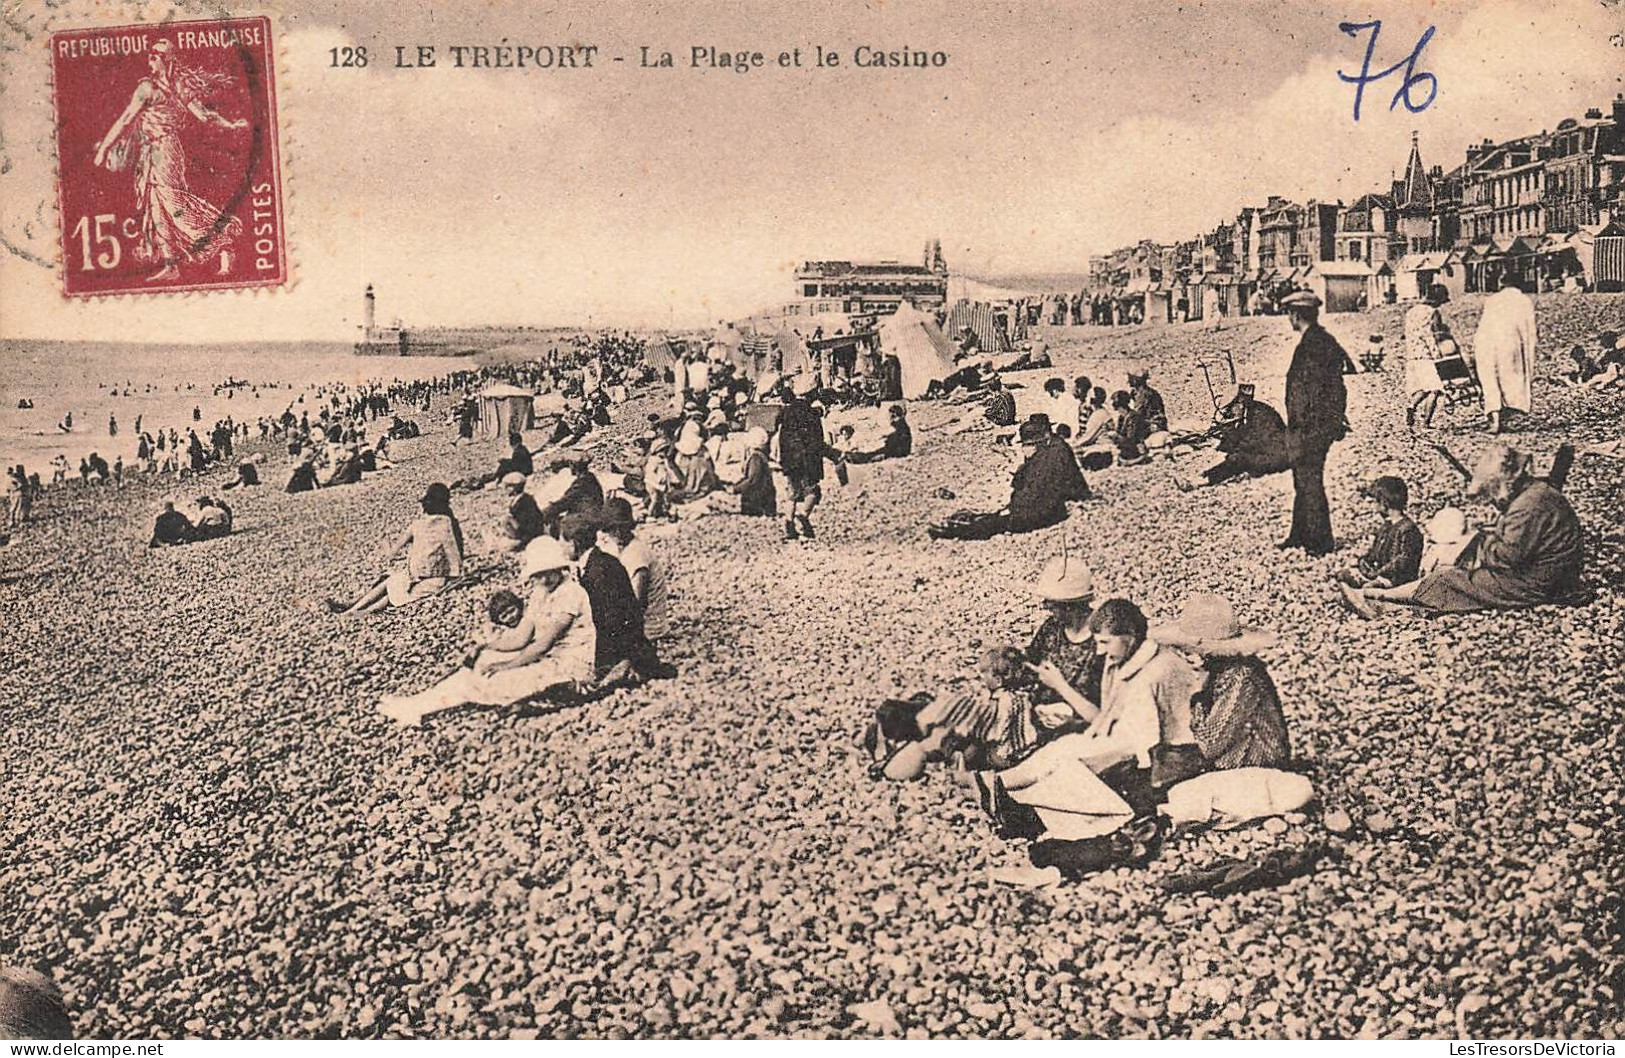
x=1608, y=259
x=980, y=318
x=925, y=353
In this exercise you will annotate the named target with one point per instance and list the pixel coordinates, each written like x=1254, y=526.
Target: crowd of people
x=1092, y=739
x=1105, y=731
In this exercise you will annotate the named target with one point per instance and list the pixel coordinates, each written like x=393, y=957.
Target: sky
x=623, y=196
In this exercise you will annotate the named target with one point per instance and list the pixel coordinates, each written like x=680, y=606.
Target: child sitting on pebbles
x=1396, y=547
x=992, y=727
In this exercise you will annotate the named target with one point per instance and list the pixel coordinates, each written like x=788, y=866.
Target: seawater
x=81, y=377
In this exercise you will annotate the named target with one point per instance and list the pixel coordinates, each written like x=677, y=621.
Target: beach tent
x=661, y=352
x=1606, y=259
x=504, y=409
x=983, y=321
x=920, y=346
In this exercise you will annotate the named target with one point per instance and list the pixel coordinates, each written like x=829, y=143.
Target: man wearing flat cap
x=1316, y=400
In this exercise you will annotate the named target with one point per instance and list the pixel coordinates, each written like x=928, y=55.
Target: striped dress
x=1237, y=717
x=994, y=729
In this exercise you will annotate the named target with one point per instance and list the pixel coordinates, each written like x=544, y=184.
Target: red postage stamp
x=167, y=167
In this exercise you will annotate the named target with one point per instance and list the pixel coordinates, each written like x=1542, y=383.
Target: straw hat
x=756, y=437
x=689, y=445
x=1301, y=299
x=513, y=477
x=543, y=555
x=1208, y=625
x=1065, y=580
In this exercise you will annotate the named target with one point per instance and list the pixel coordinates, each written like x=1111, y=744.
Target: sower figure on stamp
x=176, y=225
x=1315, y=403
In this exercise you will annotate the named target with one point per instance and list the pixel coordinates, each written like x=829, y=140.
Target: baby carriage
x=1460, y=380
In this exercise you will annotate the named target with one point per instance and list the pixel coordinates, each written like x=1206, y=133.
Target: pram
x=1460, y=380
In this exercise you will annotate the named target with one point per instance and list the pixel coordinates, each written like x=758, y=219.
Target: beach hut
x=1344, y=286
x=920, y=346
x=1415, y=273
x=1607, y=259
x=1159, y=303
x=1220, y=294
x=505, y=409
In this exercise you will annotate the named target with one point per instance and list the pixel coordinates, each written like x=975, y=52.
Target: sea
x=162, y=384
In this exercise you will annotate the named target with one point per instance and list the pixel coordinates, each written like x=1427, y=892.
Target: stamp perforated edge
x=282, y=144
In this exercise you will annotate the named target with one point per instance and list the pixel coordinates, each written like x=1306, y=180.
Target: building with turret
x=876, y=287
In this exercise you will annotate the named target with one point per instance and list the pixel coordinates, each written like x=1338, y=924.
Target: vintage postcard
x=934, y=519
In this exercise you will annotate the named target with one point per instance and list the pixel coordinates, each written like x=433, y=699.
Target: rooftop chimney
x=1619, y=109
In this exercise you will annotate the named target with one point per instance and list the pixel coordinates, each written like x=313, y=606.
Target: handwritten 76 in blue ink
x=1412, y=78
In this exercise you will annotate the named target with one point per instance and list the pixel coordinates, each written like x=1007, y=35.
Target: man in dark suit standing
x=1315, y=403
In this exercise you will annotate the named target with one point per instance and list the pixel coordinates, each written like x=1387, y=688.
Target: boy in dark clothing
x=801, y=455
x=1395, y=554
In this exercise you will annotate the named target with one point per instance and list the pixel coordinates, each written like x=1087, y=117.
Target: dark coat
x=891, y=378
x=1255, y=437
x=1533, y=554
x=585, y=495
x=616, y=613
x=801, y=442
x=1316, y=398
x=899, y=442
x=171, y=528
x=755, y=490
x=528, y=522
x=1042, y=486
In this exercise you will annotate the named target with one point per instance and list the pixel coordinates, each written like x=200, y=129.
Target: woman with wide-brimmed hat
x=1236, y=717
x=553, y=646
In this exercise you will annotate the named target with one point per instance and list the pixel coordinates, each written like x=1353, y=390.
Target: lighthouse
x=368, y=315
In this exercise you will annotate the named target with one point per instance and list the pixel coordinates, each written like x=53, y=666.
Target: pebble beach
x=211, y=832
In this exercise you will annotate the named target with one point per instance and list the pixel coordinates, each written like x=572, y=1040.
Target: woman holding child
x=550, y=645
x=1025, y=697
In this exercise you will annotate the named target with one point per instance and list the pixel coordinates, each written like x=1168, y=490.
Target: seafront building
x=1548, y=208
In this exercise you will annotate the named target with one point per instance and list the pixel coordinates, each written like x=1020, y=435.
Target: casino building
x=876, y=287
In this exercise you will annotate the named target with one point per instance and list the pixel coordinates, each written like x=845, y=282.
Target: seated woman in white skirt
x=1146, y=693
x=552, y=645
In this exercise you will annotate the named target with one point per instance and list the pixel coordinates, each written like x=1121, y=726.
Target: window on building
x=810, y=290
x=1354, y=251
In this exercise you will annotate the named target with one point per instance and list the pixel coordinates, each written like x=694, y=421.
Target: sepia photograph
x=916, y=520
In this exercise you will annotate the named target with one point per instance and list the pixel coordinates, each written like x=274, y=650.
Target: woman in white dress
x=1425, y=333
x=552, y=645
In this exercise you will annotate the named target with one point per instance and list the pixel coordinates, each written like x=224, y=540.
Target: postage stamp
x=168, y=172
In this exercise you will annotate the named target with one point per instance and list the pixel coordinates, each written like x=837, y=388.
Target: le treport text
x=508, y=56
